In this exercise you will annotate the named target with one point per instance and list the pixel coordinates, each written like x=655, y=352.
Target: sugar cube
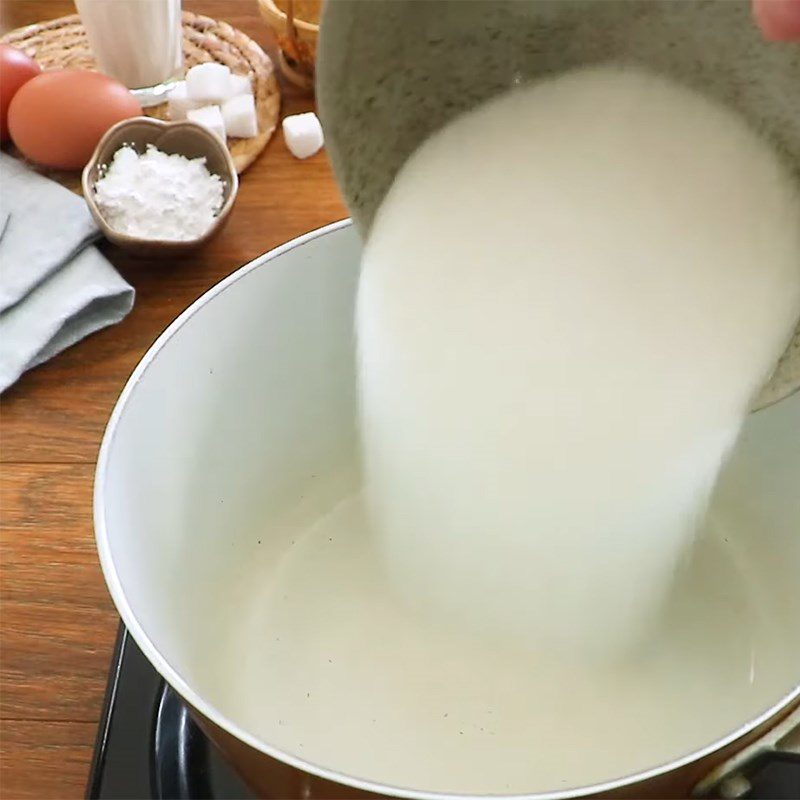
x=239, y=114
x=208, y=82
x=209, y=117
x=303, y=134
x=179, y=102
x=240, y=84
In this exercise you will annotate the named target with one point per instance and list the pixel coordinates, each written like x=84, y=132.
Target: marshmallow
x=209, y=82
x=209, y=117
x=179, y=102
x=239, y=114
x=303, y=134
x=240, y=84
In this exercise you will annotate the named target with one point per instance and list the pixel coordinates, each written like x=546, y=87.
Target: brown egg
x=16, y=68
x=57, y=118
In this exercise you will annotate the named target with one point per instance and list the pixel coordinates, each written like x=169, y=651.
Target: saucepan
x=237, y=430
x=238, y=422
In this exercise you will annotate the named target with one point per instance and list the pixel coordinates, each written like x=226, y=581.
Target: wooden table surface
x=57, y=622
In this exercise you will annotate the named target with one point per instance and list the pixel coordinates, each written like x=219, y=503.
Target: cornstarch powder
x=154, y=195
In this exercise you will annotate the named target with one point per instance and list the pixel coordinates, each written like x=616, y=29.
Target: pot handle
x=767, y=768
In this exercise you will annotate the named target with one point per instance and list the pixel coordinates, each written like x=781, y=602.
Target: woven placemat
x=62, y=42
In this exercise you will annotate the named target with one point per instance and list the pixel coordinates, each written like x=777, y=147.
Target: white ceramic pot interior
x=236, y=431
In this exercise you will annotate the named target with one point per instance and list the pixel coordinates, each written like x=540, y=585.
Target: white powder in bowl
x=154, y=195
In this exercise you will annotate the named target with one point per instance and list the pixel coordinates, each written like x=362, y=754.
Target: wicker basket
x=296, y=27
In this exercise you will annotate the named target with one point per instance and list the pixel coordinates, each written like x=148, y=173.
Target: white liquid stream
x=567, y=301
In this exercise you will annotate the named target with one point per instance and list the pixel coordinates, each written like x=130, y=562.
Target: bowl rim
x=212, y=713
x=302, y=24
x=125, y=239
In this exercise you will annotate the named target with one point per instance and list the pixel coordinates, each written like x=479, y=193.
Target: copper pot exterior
x=271, y=778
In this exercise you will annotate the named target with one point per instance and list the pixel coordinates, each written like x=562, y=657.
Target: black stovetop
x=148, y=746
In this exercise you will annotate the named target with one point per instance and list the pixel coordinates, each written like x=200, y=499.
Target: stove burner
x=147, y=744
x=180, y=765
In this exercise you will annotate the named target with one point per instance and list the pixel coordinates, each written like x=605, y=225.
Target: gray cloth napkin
x=55, y=288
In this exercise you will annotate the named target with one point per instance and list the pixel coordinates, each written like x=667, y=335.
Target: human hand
x=779, y=20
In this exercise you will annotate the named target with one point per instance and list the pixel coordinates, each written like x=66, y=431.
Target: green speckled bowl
x=389, y=73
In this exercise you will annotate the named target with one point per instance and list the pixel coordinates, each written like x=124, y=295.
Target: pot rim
x=173, y=677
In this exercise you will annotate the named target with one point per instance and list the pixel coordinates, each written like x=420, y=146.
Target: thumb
x=779, y=20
